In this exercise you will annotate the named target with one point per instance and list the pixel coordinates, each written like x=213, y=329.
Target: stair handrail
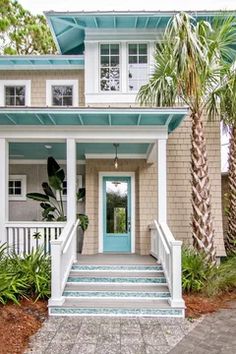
x=63, y=254
x=169, y=255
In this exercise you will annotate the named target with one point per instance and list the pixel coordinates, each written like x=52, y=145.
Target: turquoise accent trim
x=36, y=62
x=37, y=151
x=117, y=311
x=136, y=280
x=117, y=242
x=69, y=28
x=169, y=117
x=117, y=294
x=131, y=267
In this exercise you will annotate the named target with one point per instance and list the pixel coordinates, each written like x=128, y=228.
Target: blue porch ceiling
x=169, y=117
x=38, y=151
x=68, y=28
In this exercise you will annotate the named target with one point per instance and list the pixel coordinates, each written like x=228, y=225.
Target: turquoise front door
x=116, y=214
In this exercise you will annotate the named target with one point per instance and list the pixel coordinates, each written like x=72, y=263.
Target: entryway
x=116, y=217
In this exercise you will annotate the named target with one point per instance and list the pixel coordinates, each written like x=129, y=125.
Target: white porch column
x=4, y=173
x=71, y=185
x=161, y=180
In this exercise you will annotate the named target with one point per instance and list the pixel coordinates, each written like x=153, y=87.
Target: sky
x=37, y=7
x=92, y=5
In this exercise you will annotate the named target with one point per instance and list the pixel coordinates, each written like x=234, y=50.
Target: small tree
x=187, y=70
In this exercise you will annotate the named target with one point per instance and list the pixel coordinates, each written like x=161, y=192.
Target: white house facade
x=80, y=107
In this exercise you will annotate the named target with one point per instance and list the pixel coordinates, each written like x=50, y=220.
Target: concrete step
x=121, y=307
x=115, y=268
x=158, y=287
x=110, y=280
x=145, y=295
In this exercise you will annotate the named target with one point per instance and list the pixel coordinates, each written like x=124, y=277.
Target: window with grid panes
x=109, y=67
x=137, y=65
x=62, y=95
x=15, y=95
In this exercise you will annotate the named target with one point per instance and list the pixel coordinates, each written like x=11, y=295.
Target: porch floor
x=115, y=259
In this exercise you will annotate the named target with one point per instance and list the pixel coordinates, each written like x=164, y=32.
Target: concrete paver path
x=212, y=334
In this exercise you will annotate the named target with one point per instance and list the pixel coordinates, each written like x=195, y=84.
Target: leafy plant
x=51, y=201
x=195, y=270
x=223, y=278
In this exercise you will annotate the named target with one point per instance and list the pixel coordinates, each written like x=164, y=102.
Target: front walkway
x=99, y=335
x=214, y=334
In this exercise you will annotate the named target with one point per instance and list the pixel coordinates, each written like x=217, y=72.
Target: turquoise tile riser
x=116, y=267
x=135, y=280
x=117, y=294
x=116, y=311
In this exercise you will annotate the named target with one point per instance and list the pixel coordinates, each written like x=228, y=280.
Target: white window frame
x=99, y=68
x=26, y=83
x=127, y=58
x=79, y=184
x=22, y=196
x=73, y=83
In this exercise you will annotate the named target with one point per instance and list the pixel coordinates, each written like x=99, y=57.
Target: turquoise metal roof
x=68, y=28
x=169, y=117
x=36, y=62
x=38, y=151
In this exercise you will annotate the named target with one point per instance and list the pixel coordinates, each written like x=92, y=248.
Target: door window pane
x=137, y=66
x=116, y=207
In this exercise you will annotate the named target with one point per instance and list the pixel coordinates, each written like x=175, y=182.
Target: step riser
x=117, y=268
x=124, y=280
x=116, y=312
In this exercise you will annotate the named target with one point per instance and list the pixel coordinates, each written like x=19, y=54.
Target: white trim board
x=100, y=207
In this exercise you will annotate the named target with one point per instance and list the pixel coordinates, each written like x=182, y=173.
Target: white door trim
x=100, y=207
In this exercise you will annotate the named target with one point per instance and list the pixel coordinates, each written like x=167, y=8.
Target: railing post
x=176, y=275
x=71, y=187
x=56, y=275
x=4, y=167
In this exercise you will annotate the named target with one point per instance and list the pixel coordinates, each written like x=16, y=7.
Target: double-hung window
x=137, y=65
x=110, y=67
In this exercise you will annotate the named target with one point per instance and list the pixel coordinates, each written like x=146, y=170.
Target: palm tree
x=227, y=95
x=188, y=65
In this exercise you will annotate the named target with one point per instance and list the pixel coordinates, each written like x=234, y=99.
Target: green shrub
x=24, y=276
x=195, y=270
x=223, y=278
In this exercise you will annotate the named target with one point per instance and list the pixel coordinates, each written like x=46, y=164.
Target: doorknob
x=129, y=225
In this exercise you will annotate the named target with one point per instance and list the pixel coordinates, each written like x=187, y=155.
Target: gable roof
x=68, y=28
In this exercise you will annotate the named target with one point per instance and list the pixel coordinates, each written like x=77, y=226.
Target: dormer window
x=109, y=67
x=137, y=65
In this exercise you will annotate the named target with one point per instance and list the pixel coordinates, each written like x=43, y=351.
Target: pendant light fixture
x=116, y=157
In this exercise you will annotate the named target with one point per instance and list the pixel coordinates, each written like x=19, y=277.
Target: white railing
x=167, y=250
x=22, y=237
x=63, y=254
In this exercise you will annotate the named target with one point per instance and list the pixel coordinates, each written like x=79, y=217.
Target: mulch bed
x=198, y=305
x=18, y=323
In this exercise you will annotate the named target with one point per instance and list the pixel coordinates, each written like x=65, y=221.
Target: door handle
x=129, y=225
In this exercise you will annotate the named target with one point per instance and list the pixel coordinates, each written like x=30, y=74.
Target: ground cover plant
x=24, y=276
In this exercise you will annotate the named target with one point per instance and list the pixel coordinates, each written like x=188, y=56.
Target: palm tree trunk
x=230, y=239
x=201, y=220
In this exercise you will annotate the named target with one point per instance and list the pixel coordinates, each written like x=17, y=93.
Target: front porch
x=142, y=157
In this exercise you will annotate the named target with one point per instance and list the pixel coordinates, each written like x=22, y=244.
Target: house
x=80, y=107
